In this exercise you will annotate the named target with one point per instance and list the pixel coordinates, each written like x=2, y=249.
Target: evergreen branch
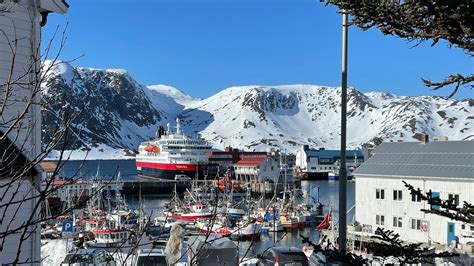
x=447, y=208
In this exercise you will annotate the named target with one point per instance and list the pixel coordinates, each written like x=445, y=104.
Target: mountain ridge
x=252, y=117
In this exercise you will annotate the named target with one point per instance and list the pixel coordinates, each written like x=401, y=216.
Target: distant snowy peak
x=258, y=117
x=114, y=110
x=176, y=94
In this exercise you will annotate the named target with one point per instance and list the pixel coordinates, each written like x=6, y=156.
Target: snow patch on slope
x=174, y=93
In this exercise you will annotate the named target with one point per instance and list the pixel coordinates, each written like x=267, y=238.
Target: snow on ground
x=54, y=251
x=102, y=152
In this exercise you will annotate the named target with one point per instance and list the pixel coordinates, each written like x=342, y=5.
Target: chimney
x=423, y=137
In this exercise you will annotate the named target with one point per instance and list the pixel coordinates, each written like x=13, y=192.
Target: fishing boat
x=235, y=212
x=275, y=226
x=196, y=211
x=108, y=238
x=289, y=222
x=250, y=231
x=216, y=228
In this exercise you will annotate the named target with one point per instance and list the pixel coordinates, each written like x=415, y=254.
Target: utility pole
x=342, y=168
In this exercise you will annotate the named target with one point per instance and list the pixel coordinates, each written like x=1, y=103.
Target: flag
x=325, y=223
x=267, y=217
x=277, y=215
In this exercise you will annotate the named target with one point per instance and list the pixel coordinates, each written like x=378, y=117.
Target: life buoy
x=424, y=227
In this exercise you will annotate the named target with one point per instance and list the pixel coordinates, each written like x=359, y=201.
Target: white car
x=153, y=256
x=182, y=177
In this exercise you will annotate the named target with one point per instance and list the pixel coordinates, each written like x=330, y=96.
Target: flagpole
x=342, y=168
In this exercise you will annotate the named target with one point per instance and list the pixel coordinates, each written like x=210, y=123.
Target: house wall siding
x=21, y=23
x=367, y=206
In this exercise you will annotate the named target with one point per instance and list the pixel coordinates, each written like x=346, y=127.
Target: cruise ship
x=173, y=156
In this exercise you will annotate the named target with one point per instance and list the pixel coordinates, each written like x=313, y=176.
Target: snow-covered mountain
x=113, y=110
x=256, y=117
x=107, y=108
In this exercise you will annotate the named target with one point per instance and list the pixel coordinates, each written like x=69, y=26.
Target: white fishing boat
x=196, y=211
x=273, y=226
x=108, y=238
x=250, y=231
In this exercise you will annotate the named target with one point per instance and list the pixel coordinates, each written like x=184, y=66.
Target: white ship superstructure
x=172, y=154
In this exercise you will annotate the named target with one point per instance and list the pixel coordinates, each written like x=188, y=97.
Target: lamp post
x=342, y=168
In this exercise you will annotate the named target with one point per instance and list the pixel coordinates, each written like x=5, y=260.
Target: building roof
x=440, y=159
x=333, y=153
x=250, y=161
x=48, y=166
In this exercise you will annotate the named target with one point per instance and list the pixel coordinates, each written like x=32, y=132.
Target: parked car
x=151, y=257
x=182, y=177
x=283, y=256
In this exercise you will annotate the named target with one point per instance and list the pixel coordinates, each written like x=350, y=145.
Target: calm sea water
x=328, y=196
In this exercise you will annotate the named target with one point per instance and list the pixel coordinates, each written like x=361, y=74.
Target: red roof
x=63, y=182
x=251, y=161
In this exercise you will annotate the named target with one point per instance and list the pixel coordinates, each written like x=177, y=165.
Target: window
x=454, y=198
x=397, y=195
x=397, y=222
x=415, y=198
x=435, y=198
x=415, y=224
x=379, y=219
x=380, y=193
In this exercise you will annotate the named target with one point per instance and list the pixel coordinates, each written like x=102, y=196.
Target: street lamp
x=342, y=168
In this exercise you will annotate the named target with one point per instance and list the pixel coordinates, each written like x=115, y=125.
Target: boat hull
x=169, y=171
x=93, y=244
x=190, y=218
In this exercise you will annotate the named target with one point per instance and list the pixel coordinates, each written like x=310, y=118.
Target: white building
x=382, y=200
x=20, y=22
x=317, y=163
x=257, y=168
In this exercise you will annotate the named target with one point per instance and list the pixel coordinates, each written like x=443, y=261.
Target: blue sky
x=204, y=46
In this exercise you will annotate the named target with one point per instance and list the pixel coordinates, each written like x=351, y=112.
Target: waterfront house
x=318, y=163
x=20, y=143
x=257, y=168
x=444, y=167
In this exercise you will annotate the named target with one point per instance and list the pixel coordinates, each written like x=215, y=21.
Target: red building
x=223, y=161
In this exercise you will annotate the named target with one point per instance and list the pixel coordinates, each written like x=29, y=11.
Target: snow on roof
x=251, y=161
x=446, y=159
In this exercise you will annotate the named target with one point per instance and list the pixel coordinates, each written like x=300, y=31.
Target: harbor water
x=153, y=204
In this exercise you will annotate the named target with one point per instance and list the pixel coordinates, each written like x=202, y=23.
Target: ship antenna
x=168, y=131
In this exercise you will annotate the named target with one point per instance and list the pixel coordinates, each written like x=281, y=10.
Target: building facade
x=446, y=168
x=257, y=168
x=20, y=124
x=318, y=163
